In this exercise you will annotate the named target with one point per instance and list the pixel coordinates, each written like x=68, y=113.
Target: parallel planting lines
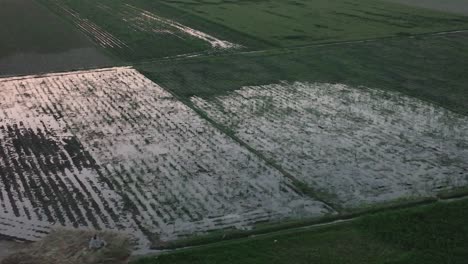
x=360, y=145
x=111, y=149
x=101, y=36
x=158, y=24
x=46, y=176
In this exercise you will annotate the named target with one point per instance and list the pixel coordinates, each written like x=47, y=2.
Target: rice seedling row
x=109, y=149
x=361, y=145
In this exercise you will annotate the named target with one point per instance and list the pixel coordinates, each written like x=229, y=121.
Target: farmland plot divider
x=297, y=185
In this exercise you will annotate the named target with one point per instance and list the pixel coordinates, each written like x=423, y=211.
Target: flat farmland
x=133, y=31
x=109, y=149
x=361, y=145
x=34, y=40
x=431, y=68
x=302, y=22
x=453, y=6
x=294, y=106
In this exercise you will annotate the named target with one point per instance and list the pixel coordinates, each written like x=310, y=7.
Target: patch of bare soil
x=8, y=247
x=71, y=247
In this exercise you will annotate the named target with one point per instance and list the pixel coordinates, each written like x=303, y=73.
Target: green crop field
x=431, y=234
x=183, y=122
x=452, y=6
x=137, y=30
x=291, y=23
x=107, y=23
x=431, y=68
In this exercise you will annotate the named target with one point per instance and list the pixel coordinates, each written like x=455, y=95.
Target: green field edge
x=297, y=185
x=276, y=228
x=275, y=47
x=117, y=60
x=258, y=42
x=143, y=66
x=407, y=5
x=302, y=188
x=70, y=71
x=291, y=49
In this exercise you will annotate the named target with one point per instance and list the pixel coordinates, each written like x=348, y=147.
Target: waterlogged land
x=359, y=145
x=111, y=149
x=132, y=32
x=34, y=40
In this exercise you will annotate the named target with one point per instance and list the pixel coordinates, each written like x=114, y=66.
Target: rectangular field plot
x=134, y=33
x=111, y=149
x=291, y=23
x=361, y=146
x=400, y=64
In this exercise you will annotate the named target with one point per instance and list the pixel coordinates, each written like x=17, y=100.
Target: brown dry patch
x=71, y=247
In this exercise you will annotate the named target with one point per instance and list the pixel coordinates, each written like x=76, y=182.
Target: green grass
x=435, y=233
x=453, y=6
x=269, y=24
x=284, y=224
x=142, y=44
x=432, y=68
x=300, y=22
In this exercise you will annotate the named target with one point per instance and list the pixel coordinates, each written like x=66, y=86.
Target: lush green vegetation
x=269, y=24
x=431, y=68
x=452, y=6
x=435, y=233
x=145, y=38
x=299, y=22
x=115, y=19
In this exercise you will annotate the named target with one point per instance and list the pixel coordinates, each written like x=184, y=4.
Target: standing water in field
x=359, y=145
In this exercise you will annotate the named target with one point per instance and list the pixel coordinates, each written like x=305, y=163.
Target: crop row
x=359, y=145
x=111, y=149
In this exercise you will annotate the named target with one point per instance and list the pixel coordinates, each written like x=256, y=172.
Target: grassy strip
x=292, y=23
x=454, y=193
x=434, y=233
x=431, y=68
x=141, y=44
x=269, y=227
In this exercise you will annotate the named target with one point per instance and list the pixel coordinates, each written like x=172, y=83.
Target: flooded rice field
x=109, y=149
x=359, y=145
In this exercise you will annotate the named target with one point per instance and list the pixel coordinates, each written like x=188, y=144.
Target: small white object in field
x=96, y=242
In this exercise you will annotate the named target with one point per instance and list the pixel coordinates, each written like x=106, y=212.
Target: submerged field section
x=111, y=149
x=359, y=145
x=241, y=112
